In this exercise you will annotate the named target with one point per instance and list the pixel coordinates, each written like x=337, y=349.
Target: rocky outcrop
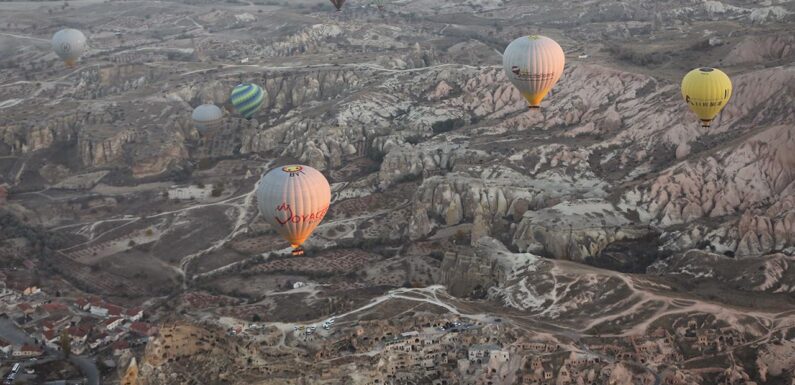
x=407, y=162
x=465, y=271
x=209, y=354
x=371, y=123
x=95, y=152
x=313, y=39
x=762, y=232
x=537, y=286
x=28, y=136
x=762, y=50
x=457, y=198
x=574, y=230
x=774, y=273
x=473, y=271
x=730, y=182
x=131, y=137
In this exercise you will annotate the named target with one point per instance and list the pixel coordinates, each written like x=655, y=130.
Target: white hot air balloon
x=69, y=44
x=533, y=64
x=294, y=199
x=206, y=117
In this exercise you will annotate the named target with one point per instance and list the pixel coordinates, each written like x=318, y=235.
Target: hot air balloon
x=706, y=90
x=294, y=199
x=338, y=4
x=247, y=99
x=206, y=117
x=69, y=44
x=379, y=4
x=533, y=64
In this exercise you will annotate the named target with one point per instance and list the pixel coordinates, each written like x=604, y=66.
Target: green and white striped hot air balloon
x=247, y=99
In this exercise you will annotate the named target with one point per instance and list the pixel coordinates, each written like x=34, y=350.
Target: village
x=35, y=326
x=446, y=349
x=455, y=351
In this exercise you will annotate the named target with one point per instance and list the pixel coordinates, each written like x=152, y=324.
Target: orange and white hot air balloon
x=533, y=64
x=294, y=199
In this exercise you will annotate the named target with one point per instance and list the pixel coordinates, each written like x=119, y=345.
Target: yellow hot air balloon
x=706, y=90
x=533, y=64
x=294, y=199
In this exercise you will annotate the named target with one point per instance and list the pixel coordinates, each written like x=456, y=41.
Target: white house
x=31, y=290
x=113, y=323
x=481, y=351
x=498, y=357
x=83, y=304
x=100, y=340
x=119, y=347
x=51, y=338
x=27, y=351
x=191, y=192
x=98, y=309
x=134, y=314
x=77, y=335
x=5, y=347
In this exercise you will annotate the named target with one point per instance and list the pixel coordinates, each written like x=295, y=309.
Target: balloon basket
x=298, y=251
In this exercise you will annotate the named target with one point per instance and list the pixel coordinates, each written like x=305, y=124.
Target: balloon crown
x=534, y=37
x=294, y=168
x=706, y=69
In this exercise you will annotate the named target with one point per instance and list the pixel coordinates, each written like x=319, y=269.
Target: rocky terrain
x=609, y=213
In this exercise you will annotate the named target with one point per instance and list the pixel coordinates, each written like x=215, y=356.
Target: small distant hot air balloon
x=706, y=91
x=533, y=64
x=69, y=44
x=206, y=117
x=294, y=199
x=338, y=4
x=247, y=99
x=379, y=4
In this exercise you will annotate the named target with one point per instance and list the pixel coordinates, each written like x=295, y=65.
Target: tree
x=218, y=189
x=65, y=342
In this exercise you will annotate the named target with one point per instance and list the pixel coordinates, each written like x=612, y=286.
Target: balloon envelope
x=69, y=44
x=294, y=199
x=206, y=117
x=247, y=99
x=706, y=91
x=338, y=4
x=533, y=64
